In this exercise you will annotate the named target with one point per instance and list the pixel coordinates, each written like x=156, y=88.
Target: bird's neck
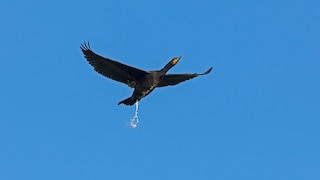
x=166, y=68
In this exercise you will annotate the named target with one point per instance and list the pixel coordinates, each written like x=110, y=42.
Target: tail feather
x=129, y=101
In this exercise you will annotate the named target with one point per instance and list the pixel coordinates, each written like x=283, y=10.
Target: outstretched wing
x=173, y=79
x=112, y=69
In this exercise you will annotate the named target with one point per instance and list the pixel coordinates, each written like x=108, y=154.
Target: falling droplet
x=135, y=120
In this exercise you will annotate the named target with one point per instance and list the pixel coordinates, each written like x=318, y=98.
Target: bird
x=143, y=82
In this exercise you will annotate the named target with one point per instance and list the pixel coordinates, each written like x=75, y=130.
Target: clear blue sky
x=256, y=116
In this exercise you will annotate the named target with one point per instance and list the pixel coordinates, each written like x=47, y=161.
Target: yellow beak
x=176, y=60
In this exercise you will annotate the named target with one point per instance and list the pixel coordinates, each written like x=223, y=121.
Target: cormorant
x=143, y=82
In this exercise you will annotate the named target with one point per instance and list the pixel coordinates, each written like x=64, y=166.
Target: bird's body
x=145, y=86
x=143, y=82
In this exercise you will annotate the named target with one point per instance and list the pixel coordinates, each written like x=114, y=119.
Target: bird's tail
x=129, y=101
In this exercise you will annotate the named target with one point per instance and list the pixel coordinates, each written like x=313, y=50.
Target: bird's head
x=173, y=62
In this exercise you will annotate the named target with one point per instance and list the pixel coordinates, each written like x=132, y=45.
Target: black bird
x=143, y=82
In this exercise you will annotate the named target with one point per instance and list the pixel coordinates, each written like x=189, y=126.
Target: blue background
x=256, y=116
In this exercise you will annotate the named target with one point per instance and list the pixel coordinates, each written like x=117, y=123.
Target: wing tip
x=208, y=71
x=85, y=46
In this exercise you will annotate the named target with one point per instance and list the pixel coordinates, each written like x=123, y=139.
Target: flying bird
x=143, y=82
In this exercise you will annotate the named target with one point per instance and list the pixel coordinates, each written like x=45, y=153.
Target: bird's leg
x=135, y=120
